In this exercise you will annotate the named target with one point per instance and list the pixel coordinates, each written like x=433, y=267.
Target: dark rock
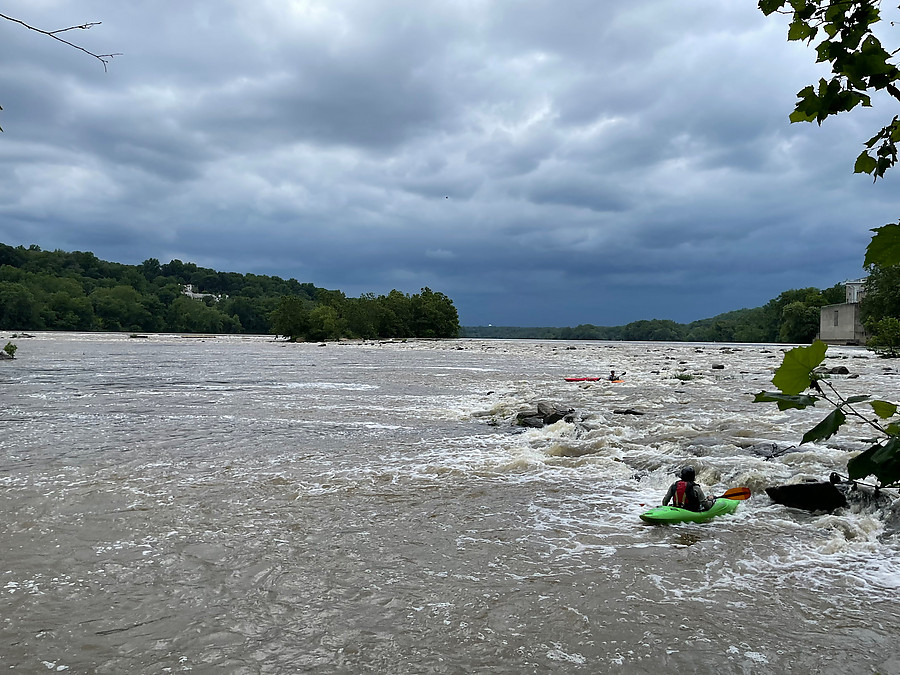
x=528, y=420
x=554, y=413
x=627, y=411
x=718, y=366
x=811, y=496
x=546, y=413
x=839, y=370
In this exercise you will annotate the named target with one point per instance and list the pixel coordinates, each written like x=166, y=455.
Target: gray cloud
x=541, y=163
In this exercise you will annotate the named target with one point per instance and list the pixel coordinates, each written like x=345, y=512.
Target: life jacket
x=685, y=497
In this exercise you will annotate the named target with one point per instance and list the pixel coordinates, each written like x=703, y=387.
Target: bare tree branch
x=102, y=58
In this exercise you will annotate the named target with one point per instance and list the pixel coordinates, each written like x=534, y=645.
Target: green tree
x=72, y=312
x=885, y=338
x=291, y=318
x=119, y=308
x=395, y=317
x=362, y=316
x=150, y=268
x=253, y=313
x=19, y=310
x=799, y=322
x=655, y=329
x=192, y=316
x=433, y=315
x=14, y=257
x=882, y=298
x=325, y=323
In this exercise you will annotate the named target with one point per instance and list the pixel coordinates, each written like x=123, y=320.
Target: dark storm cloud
x=541, y=163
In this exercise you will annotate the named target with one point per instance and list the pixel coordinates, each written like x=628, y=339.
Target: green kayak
x=673, y=514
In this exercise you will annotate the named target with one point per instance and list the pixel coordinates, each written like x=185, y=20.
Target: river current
x=233, y=504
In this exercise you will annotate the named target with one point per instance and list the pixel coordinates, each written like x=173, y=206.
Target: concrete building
x=840, y=324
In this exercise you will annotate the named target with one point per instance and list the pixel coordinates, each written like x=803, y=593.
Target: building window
x=837, y=315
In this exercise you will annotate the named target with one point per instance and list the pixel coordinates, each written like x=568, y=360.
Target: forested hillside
x=56, y=290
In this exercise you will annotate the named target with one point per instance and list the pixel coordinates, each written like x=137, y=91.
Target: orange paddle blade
x=737, y=493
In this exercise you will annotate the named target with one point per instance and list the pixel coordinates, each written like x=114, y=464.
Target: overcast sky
x=542, y=162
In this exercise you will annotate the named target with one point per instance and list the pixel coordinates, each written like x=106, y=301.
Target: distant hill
x=791, y=317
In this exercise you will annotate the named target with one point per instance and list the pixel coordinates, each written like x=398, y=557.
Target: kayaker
x=686, y=494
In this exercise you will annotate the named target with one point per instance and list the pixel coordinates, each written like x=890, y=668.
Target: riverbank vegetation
x=57, y=290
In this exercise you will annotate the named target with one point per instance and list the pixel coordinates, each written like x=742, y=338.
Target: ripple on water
x=359, y=516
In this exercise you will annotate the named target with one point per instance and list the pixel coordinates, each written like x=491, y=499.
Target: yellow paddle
x=736, y=493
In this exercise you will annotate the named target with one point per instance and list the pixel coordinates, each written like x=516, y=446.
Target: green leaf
x=795, y=373
x=826, y=428
x=769, y=6
x=800, y=116
x=785, y=401
x=892, y=429
x=881, y=461
x=884, y=409
x=835, y=12
x=884, y=248
x=799, y=30
x=865, y=163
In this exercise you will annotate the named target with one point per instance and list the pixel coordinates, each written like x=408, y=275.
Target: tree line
x=791, y=317
x=76, y=291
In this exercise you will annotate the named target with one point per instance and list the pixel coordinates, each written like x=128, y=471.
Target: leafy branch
x=800, y=372
x=860, y=65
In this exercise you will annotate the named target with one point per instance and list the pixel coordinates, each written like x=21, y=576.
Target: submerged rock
x=771, y=450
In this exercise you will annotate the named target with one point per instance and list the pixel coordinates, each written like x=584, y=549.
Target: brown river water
x=239, y=505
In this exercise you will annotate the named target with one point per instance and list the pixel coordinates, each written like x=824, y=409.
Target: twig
x=102, y=58
x=842, y=403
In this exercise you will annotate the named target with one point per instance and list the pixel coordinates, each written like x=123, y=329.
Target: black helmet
x=688, y=473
